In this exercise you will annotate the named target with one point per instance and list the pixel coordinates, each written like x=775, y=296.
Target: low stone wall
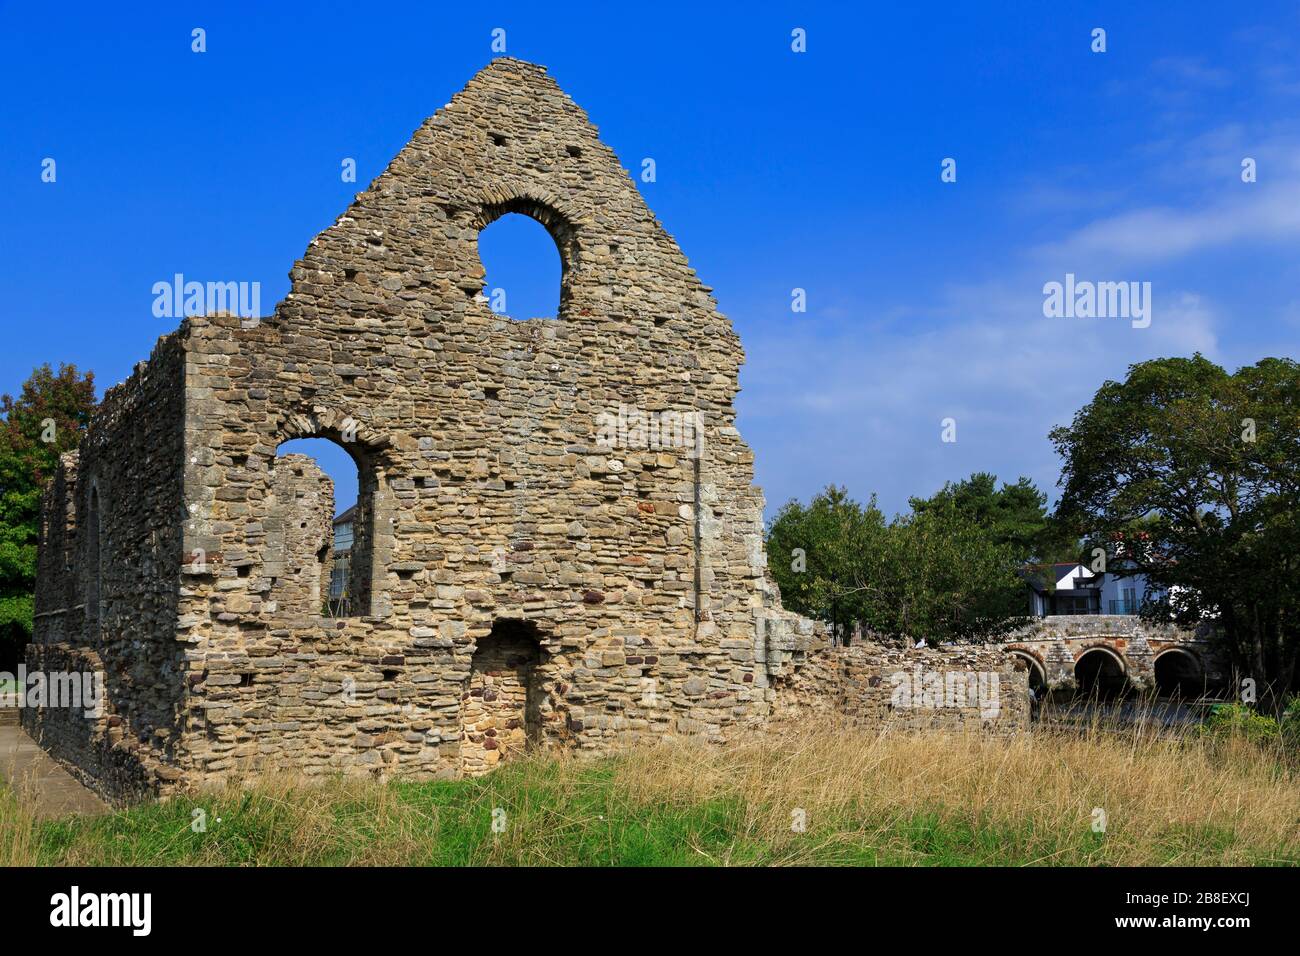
x=371, y=732
x=954, y=689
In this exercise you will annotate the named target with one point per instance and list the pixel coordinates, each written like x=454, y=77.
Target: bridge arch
x=1037, y=670
x=1178, y=672
x=1101, y=671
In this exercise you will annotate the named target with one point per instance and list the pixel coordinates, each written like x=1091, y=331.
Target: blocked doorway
x=501, y=705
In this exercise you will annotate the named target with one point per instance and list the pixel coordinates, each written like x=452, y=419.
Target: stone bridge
x=1108, y=652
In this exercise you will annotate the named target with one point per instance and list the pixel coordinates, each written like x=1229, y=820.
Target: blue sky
x=776, y=170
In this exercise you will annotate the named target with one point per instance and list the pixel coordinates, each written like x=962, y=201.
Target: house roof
x=1035, y=575
x=346, y=517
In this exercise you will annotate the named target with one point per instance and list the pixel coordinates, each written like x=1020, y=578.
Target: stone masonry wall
x=502, y=708
x=107, y=581
x=955, y=689
x=299, y=535
x=58, y=557
x=628, y=572
x=1054, y=644
x=488, y=494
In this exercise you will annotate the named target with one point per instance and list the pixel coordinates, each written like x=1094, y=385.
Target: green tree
x=1193, y=474
x=935, y=575
x=942, y=577
x=1013, y=515
x=818, y=553
x=46, y=419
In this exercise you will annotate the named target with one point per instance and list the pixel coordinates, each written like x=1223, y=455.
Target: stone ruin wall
x=954, y=689
x=492, y=500
x=299, y=527
x=491, y=520
x=107, y=582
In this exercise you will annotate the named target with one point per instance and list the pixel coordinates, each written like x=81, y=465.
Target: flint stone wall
x=299, y=533
x=488, y=501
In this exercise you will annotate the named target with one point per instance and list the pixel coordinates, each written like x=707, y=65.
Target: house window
x=341, y=566
x=1072, y=604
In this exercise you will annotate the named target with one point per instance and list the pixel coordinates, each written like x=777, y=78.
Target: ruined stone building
x=516, y=578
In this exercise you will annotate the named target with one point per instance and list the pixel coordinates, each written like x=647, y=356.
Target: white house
x=1074, y=588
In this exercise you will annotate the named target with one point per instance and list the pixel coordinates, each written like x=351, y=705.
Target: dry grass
x=18, y=830
x=868, y=799
x=1167, y=800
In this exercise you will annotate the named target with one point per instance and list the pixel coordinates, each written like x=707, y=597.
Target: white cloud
x=866, y=410
x=1190, y=72
x=1221, y=211
x=862, y=405
x=1160, y=233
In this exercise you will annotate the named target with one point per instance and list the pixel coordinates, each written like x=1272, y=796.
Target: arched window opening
x=524, y=268
x=94, y=569
x=319, y=529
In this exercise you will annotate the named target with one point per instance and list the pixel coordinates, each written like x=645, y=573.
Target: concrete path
x=36, y=777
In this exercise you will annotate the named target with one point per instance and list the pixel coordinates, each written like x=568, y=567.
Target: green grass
x=564, y=813
x=574, y=819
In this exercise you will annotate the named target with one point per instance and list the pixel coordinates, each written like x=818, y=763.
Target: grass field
x=867, y=799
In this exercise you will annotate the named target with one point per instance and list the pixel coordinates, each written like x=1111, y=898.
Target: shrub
x=1230, y=720
x=1291, y=721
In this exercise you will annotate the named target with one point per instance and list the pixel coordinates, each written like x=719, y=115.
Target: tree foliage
x=818, y=553
x=47, y=418
x=1014, y=515
x=935, y=575
x=1195, y=473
